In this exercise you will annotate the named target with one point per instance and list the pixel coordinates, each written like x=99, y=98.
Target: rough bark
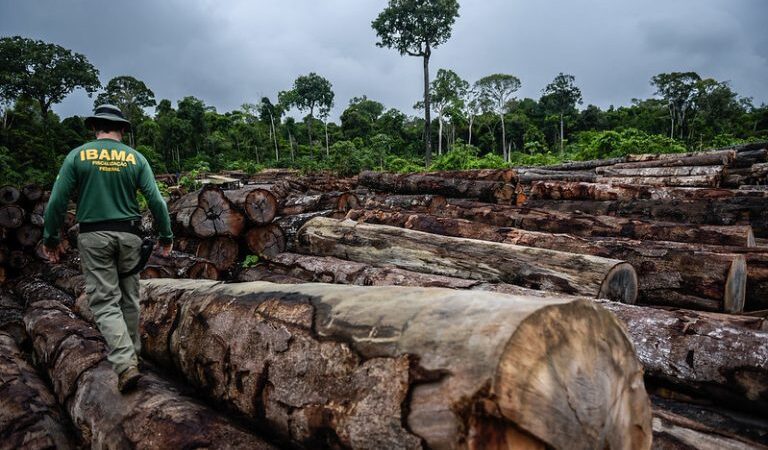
x=749, y=157
x=9, y=195
x=583, y=165
x=504, y=175
x=32, y=193
x=430, y=202
x=673, y=172
x=708, y=355
x=29, y=415
x=690, y=181
x=755, y=174
x=674, y=432
x=564, y=190
x=155, y=415
x=491, y=191
x=180, y=265
x=716, y=158
x=290, y=225
x=396, y=367
x=587, y=225
x=725, y=211
x=473, y=259
x=540, y=174
x=11, y=216
x=266, y=240
x=301, y=204
x=207, y=213
x=28, y=235
x=669, y=274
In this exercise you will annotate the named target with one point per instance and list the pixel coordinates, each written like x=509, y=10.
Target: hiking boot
x=128, y=379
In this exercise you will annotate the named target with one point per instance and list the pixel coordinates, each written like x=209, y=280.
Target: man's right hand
x=54, y=254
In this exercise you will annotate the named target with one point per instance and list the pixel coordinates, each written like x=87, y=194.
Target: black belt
x=125, y=226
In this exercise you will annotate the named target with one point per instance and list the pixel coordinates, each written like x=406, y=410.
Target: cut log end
x=577, y=385
x=620, y=284
x=261, y=206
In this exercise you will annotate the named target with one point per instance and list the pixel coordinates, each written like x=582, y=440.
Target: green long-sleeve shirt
x=107, y=174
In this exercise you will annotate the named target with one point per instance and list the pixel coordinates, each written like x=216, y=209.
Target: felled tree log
x=207, y=213
x=18, y=259
x=587, y=225
x=710, y=180
x=712, y=158
x=298, y=268
x=669, y=274
x=491, y=191
x=394, y=367
x=222, y=251
x=756, y=174
x=565, y=190
x=726, y=211
x=32, y=193
x=290, y=225
x=466, y=258
x=179, y=265
x=674, y=432
x=427, y=201
x=708, y=355
x=37, y=214
x=265, y=240
x=155, y=415
x=302, y=204
x=258, y=202
x=28, y=235
x=582, y=165
x=747, y=158
x=504, y=175
x=539, y=174
x=29, y=415
x=9, y=195
x=674, y=172
x=11, y=216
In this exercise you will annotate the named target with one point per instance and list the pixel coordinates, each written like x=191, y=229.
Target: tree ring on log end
x=569, y=376
x=620, y=284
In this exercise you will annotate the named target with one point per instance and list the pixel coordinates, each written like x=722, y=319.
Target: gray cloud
x=232, y=52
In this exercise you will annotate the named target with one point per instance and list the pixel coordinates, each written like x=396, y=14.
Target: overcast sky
x=230, y=52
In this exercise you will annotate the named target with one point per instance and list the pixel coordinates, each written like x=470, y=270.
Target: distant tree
x=44, y=72
x=359, y=119
x=561, y=96
x=472, y=106
x=128, y=94
x=495, y=93
x=447, y=92
x=273, y=112
x=415, y=27
x=679, y=91
x=309, y=92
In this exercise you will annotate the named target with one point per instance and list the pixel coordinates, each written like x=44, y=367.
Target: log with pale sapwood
x=529, y=267
x=207, y=213
x=290, y=225
x=396, y=367
x=669, y=273
x=265, y=240
x=563, y=190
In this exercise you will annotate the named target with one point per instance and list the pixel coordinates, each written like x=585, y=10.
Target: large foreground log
x=491, y=191
x=395, y=367
x=669, y=273
x=29, y=415
x=155, y=415
x=589, y=225
x=706, y=355
x=467, y=258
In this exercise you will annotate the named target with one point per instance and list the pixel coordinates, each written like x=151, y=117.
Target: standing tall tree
x=44, y=72
x=130, y=95
x=472, y=107
x=309, y=92
x=495, y=92
x=448, y=91
x=561, y=95
x=679, y=90
x=273, y=112
x=415, y=27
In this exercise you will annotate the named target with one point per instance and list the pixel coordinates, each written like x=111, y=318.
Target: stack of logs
x=474, y=316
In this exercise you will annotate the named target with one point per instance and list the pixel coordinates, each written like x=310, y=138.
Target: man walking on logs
x=107, y=174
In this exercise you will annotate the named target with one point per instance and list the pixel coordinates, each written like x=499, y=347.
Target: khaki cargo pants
x=114, y=301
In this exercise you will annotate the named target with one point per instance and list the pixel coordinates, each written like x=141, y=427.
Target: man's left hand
x=54, y=254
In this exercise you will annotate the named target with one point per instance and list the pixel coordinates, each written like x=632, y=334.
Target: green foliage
x=250, y=261
x=609, y=144
x=465, y=157
x=189, y=181
x=538, y=159
x=400, y=164
x=128, y=94
x=347, y=160
x=44, y=72
x=412, y=27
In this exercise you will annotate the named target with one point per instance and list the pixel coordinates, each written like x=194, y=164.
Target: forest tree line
x=477, y=123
